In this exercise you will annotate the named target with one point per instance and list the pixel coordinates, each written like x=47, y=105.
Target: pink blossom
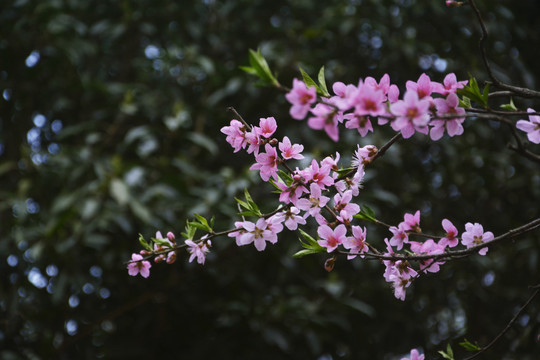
x=267, y=127
x=449, y=85
x=315, y=202
x=344, y=207
x=383, y=85
x=331, y=162
x=257, y=233
x=291, y=218
x=164, y=245
x=423, y=87
x=289, y=151
x=138, y=265
x=412, y=114
x=364, y=155
x=531, y=127
x=319, y=175
x=238, y=233
x=301, y=99
x=415, y=355
x=400, y=236
x=235, y=135
x=274, y=224
x=428, y=247
x=291, y=193
x=369, y=101
x=412, y=222
x=474, y=235
x=400, y=284
x=401, y=275
x=353, y=184
x=198, y=250
x=344, y=95
x=389, y=264
x=267, y=163
x=331, y=238
x=448, y=106
x=393, y=94
x=359, y=122
x=357, y=243
x=253, y=140
x=325, y=118
x=450, y=238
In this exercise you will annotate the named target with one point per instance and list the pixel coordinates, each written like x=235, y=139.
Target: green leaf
x=249, y=213
x=144, y=243
x=306, y=252
x=242, y=203
x=366, y=213
x=310, y=241
x=465, y=102
x=259, y=67
x=163, y=242
x=274, y=184
x=309, y=244
x=510, y=106
x=251, y=208
x=467, y=345
x=449, y=354
x=472, y=91
x=449, y=350
x=203, y=222
x=342, y=172
x=322, y=83
x=288, y=179
x=199, y=226
x=309, y=81
x=249, y=70
x=190, y=231
x=201, y=219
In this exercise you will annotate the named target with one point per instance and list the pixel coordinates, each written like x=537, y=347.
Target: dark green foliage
x=109, y=128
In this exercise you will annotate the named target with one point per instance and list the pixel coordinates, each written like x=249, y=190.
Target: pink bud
x=171, y=258
x=452, y=3
x=329, y=264
x=171, y=237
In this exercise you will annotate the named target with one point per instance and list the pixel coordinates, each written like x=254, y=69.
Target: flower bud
x=171, y=237
x=452, y=3
x=171, y=258
x=329, y=264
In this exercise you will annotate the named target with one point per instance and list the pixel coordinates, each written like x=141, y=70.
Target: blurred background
x=109, y=127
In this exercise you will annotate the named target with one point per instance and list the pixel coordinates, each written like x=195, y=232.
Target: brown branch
x=508, y=326
x=457, y=253
x=523, y=92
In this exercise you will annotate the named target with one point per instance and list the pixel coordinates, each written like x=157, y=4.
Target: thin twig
x=524, y=92
x=508, y=326
x=457, y=253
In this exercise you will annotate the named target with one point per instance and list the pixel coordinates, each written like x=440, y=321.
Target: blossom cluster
x=356, y=106
x=307, y=192
x=399, y=272
x=165, y=249
x=324, y=192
